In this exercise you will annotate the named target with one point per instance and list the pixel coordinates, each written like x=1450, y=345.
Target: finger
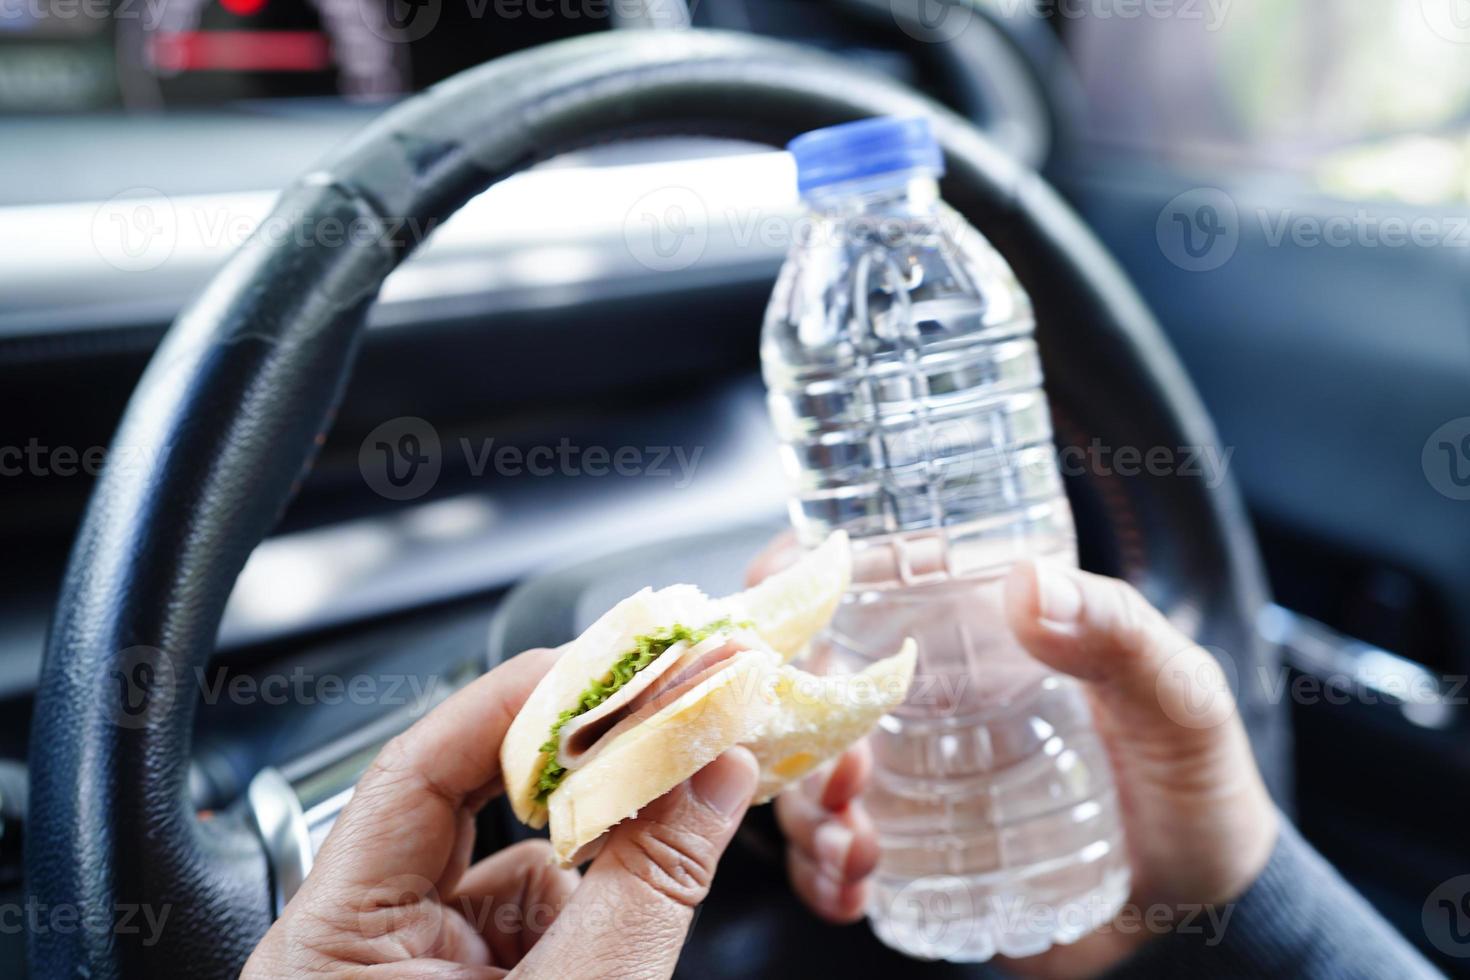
x=434, y=969
x=1155, y=681
x=459, y=854
x=835, y=901
x=844, y=781
x=781, y=552
x=843, y=844
x=632, y=912
x=403, y=819
x=419, y=938
x=512, y=897
x=455, y=749
x=403, y=922
x=1179, y=750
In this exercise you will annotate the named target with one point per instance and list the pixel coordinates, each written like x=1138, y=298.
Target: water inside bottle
x=991, y=792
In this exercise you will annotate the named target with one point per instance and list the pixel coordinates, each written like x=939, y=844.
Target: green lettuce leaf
x=646, y=649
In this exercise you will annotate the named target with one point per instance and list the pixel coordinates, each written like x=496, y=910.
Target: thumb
x=631, y=914
x=1152, y=680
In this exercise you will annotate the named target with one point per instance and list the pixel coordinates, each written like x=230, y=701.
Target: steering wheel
x=240, y=394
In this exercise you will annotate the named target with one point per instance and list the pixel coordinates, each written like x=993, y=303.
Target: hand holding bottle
x=1198, y=821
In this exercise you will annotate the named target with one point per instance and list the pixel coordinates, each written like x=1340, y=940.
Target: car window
x=1363, y=100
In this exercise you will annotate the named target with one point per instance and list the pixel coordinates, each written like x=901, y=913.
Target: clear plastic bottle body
x=905, y=387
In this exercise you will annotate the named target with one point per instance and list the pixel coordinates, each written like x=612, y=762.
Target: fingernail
x=827, y=891
x=1057, y=595
x=832, y=844
x=726, y=784
x=815, y=785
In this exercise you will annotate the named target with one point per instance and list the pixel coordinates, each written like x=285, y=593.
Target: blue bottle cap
x=865, y=148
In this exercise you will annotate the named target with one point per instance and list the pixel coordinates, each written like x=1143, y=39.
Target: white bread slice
x=791, y=721
x=785, y=612
x=651, y=759
x=795, y=604
x=818, y=717
x=586, y=658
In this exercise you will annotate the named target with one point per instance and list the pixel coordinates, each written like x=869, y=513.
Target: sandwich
x=668, y=679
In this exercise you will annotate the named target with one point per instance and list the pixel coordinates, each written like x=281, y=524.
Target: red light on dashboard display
x=241, y=51
x=243, y=8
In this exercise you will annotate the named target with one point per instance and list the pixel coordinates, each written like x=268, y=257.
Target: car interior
x=1244, y=225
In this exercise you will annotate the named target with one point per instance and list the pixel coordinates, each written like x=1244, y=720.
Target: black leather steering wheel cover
x=239, y=396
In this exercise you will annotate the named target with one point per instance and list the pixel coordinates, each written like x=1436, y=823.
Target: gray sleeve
x=1299, y=919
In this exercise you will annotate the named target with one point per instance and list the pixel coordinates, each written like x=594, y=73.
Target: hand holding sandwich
x=649, y=712
x=393, y=886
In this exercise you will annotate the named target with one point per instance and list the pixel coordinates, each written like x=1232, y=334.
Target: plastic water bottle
x=905, y=387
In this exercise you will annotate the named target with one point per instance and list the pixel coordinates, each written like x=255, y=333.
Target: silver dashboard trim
x=1360, y=669
x=283, y=830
